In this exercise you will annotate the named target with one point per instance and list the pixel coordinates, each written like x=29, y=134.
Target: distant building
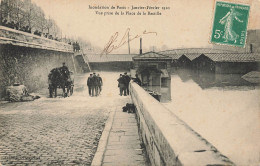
x=110, y=62
x=227, y=63
x=154, y=69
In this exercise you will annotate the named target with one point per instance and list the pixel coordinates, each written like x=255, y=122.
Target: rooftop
x=234, y=57
x=151, y=55
x=193, y=51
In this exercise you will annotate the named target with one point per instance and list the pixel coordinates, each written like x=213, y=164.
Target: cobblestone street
x=57, y=131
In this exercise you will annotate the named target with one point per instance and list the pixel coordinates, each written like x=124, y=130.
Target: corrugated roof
x=110, y=58
x=194, y=51
x=175, y=56
x=234, y=57
x=151, y=55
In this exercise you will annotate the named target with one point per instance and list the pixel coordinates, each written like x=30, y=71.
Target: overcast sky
x=186, y=24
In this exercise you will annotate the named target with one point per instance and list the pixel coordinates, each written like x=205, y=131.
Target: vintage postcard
x=130, y=82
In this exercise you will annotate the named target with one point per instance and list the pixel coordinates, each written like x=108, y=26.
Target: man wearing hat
x=99, y=84
x=65, y=70
x=127, y=80
x=95, y=84
x=121, y=85
x=90, y=85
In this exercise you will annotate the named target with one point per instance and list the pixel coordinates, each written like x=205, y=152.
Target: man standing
x=90, y=84
x=127, y=80
x=121, y=85
x=99, y=83
x=95, y=84
x=65, y=70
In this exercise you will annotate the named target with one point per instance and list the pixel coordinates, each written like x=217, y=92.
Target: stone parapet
x=169, y=140
x=24, y=39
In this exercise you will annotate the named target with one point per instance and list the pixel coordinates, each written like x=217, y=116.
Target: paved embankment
x=63, y=131
x=120, y=144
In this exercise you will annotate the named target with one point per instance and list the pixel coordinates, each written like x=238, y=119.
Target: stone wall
x=30, y=65
x=168, y=140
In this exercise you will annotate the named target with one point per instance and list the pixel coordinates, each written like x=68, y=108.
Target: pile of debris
x=17, y=92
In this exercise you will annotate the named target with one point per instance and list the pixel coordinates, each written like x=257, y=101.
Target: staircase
x=82, y=61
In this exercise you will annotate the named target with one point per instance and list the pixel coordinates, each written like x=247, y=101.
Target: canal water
x=224, y=109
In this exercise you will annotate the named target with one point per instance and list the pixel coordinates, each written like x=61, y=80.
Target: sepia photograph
x=129, y=83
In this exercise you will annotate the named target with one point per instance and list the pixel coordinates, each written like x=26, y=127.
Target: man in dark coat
x=99, y=84
x=137, y=80
x=65, y=70
x=127, y=80
x=95, y=83
x=121, y=85
x=90, y=85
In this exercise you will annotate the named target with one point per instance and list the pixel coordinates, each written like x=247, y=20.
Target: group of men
x=123, y=84
x=94, y=84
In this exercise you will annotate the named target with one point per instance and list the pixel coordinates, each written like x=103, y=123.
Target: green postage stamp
x=230, y=24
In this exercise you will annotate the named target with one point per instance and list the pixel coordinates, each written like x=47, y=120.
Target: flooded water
x=224, y=109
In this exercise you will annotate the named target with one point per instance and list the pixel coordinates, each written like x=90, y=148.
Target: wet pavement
x=57, y=131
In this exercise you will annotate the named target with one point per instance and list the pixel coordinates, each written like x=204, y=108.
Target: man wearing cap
x=90, y=85
x=121, y=85
x=65, y=70
x=99, y=84
x=127, y=80
x=95, y=84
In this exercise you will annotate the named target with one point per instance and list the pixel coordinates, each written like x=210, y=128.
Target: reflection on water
x=205, y=81
x=208, y=80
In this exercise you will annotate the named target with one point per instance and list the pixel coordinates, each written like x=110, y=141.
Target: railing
x=20, y=38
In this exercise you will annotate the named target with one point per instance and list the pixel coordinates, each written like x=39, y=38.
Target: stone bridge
x=30, y=58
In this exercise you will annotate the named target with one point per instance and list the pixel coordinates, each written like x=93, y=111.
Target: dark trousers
x=122, y=90
x=92, y=90
x=96, y=90
x=99, y=89
x=89, y=90
x=127, y=89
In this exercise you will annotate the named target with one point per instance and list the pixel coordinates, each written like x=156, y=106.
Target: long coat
x=90, y=81
x=121, y=82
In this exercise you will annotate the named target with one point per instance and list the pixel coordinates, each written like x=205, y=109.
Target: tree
x=49, y=24
x=30, y=15
x=15, y=11
x=41, y=22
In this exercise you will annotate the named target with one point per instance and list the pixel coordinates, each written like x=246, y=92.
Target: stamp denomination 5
x=230, y=24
